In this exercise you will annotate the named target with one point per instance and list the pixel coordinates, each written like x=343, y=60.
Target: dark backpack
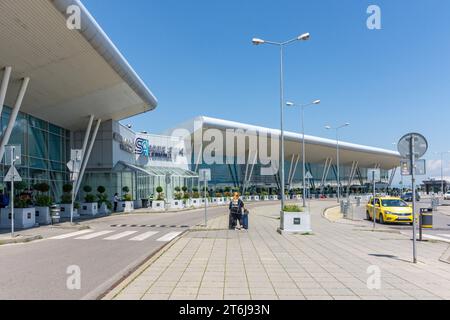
x=235, y=207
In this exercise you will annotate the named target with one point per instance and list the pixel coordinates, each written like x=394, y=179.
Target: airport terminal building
x=64, y=89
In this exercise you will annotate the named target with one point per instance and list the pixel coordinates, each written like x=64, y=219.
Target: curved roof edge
x=295, y=136
x=99, y=40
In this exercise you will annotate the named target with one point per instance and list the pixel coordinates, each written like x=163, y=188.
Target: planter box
x=274, y=197
x=217, y=201
x=203, y=200
x=256, y=198
x=298, y=197
x=158, y=205
x=137, y=204
x=176, y=204
x=103, y=209
x=125, y=206
x=265, y=198
x=89, y=209
x=248, y=198
x=43, y=216
x=65, y=211
x=295, y=222
x=196, y=203
x=23, y=218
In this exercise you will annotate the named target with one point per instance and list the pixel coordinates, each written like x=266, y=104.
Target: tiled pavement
x=261, y=264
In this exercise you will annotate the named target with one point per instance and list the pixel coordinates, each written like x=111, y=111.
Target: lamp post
x=337, y=157
x=291, y=104
x=281, y=45
x=442, y=169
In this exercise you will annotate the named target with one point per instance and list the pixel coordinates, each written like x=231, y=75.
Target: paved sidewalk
x=261, y=264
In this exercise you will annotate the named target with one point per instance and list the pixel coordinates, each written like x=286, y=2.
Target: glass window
x=37, y=141
x=55, y=148
x=54, y=129
x=37, y=123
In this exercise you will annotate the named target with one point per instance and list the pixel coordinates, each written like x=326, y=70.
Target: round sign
x=419, y=142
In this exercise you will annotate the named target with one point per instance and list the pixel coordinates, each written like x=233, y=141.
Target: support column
x=13, y=116
x=86, y=158
x=4, y=87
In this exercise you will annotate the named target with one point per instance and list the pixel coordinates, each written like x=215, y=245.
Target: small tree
x=159, y=190
x=185, y=189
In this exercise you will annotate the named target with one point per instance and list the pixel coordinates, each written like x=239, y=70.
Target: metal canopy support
x=247, y=173
x=86, y=157
x=13, y=116
x=391, y=179
x=326, y=170
x=4, y=87
x=290, y=171
x=291, y=180
x=311, y=181
x=352, y=173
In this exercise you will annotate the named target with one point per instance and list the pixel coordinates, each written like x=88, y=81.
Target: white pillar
x=4, y=87
x=13, y=116
x=86, y=158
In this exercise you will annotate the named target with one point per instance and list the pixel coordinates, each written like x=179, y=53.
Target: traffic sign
x=374, y=175
x=204, y=175
x=420, y=167
x=76, y=154
x=168, y=178
x=420, y=145
x=308, y=175
x=13, y=152
x=12, y=175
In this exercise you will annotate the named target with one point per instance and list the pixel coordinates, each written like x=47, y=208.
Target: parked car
x=447, y=196
x=408, y=197
x=389, y=209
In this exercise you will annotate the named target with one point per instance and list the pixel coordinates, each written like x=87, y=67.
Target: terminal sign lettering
x=155, y=152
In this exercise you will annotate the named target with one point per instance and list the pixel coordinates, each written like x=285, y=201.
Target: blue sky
x=197, y=58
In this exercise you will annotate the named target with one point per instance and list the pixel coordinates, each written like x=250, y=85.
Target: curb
x=21, y=240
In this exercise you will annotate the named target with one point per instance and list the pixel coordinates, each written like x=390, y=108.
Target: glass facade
x=45, y=151
x=233, y=176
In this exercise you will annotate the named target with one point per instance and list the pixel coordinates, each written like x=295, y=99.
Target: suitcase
x=245, y=221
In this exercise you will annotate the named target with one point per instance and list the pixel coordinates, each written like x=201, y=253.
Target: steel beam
x=4, y=87
x=13, y=116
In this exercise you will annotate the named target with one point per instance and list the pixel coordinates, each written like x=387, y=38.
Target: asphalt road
x=112, y=247
x=441, y=220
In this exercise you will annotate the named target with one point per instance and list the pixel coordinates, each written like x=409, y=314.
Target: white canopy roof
x=74, y=73
x=317, y=149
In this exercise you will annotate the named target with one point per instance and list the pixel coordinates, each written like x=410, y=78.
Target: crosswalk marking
x=144, y=236
x=427, y=236
x=169, y=236
x=121, y=235
x=73, y=234
x=94, y=235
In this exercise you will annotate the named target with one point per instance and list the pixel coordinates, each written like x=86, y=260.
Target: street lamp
x=442, y=169
x=281, y=45
x=291, y=104
x=337, y=156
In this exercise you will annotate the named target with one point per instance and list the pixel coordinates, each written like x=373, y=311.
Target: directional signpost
x=412, y=147
x=205, y=177
x=374, y=175
x=74, y=166
x=14, y=156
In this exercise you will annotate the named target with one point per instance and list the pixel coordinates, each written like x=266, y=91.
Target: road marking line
x=144, y=236
x=436, y=238
x=120, y=235
x=73, y=234
x=94, y=235
x=444, y=235
x=169, y=236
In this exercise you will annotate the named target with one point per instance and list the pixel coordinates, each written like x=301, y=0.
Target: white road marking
x=120, y=235
x=169, y=236
x=94, y=235
x=69, y=235
x=444, y=235
x=427, y=236
x=144, y=236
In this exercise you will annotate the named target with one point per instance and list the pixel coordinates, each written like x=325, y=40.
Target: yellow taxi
x=390, y=210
